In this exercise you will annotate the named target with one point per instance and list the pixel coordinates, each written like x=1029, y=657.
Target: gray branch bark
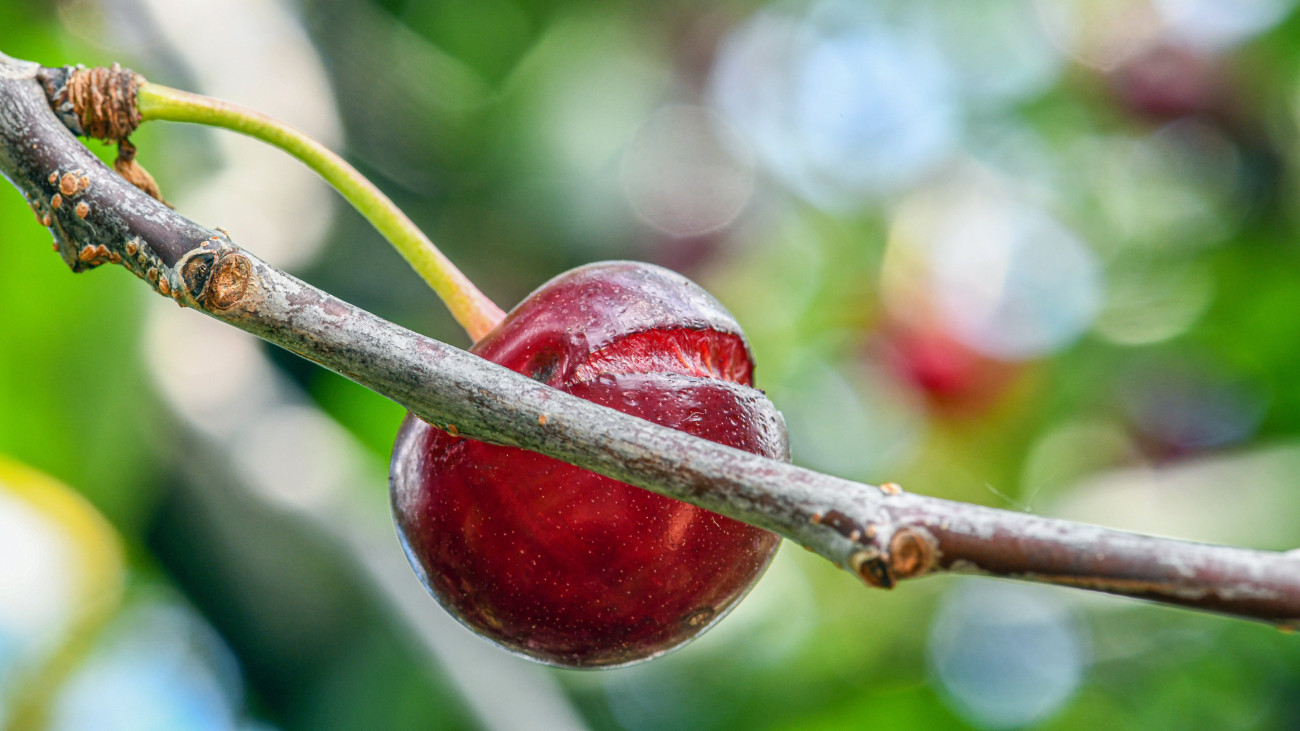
x=881, y=534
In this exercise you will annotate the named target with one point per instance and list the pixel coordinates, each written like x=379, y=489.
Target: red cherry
x=1169, y=82
x=563, y=565
x=953, y=379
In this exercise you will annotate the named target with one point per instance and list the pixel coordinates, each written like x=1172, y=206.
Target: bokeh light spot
x=162, y=669
x=840, y=105
x=1006, y=655
x=38, y=575
x=1004, y=276
x=681, y=178
x=1220, y=24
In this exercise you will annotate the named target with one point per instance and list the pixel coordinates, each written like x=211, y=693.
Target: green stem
x=471, y=308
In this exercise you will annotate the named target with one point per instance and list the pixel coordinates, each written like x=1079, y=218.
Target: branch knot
x=102, y=99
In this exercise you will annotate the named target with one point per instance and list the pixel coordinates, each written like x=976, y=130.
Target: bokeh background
x=1038, y=255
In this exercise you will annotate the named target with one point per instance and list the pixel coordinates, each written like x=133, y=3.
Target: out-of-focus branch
x=880, y=533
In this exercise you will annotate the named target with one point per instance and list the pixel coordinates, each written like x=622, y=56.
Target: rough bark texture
x=880, y=533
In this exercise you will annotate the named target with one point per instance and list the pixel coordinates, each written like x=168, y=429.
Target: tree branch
x=880, y=533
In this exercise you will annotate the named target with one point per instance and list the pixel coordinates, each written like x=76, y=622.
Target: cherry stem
x=471, y=308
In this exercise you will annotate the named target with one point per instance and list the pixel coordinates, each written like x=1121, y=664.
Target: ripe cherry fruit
x=563, y=565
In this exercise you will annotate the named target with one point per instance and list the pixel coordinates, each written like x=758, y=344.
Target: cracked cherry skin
x=563, y=565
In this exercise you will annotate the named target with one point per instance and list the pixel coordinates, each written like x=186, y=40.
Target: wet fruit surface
x=564, y=565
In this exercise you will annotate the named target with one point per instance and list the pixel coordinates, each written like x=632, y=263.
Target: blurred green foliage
x=502, y=127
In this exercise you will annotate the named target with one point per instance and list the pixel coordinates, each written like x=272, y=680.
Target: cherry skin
x=563, y=565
